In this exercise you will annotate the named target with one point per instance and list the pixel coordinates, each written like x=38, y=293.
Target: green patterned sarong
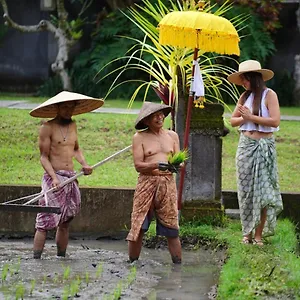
x=257, y=179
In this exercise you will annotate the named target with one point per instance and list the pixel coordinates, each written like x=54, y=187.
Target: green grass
x=253, y=272
x=22, y=97
x=101, y=135
x=250, y=272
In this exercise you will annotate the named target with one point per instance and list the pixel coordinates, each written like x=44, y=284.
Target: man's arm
x=174, y=136
x=138, y=156
x=44, y=146
x=78, y=155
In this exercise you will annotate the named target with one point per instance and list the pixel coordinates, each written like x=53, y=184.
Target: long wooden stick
x=186, y=133
x=77, y=175
x=22, y=198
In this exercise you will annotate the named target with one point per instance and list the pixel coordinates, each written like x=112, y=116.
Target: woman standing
x=257, y=114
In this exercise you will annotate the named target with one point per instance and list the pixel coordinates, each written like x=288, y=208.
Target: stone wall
x=105, y=211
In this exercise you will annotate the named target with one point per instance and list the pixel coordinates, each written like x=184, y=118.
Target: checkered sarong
x=257, y=180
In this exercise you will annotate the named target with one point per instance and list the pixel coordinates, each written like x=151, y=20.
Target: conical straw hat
x=84, y=104
x=148, y=109
x=250, y=66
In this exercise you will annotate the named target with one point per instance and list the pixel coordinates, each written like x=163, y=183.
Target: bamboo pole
x=77, y=175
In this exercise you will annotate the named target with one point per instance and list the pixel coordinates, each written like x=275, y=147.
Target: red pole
x=187, y=132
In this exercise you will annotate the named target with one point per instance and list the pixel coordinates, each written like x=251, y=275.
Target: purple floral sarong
x=67, y=198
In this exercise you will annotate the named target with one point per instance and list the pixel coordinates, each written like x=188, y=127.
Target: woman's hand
x=245, y=112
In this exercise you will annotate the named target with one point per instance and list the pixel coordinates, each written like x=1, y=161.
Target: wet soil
x=98, y=269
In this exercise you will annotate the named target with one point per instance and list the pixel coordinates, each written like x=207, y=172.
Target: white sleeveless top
x=264, y=112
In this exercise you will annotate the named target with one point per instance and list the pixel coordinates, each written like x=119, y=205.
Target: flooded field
x=98, y=269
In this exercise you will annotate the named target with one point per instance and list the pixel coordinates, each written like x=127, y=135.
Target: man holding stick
x=58, y=145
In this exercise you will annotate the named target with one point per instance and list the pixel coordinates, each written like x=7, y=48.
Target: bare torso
x=150, y=147
x=157, y=147
x=62, y=144
x=257, y=134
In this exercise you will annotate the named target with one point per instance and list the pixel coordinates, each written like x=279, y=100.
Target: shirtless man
x=156, y=188
x=58, y=146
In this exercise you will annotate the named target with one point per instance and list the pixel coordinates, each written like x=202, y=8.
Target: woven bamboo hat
x=250, y=66
x=84, y=104
x=148, y=109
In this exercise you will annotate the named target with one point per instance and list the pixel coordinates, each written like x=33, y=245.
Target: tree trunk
x=60, y=34
x=297, y=67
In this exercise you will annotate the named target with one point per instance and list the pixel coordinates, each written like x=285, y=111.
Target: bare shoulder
x=240, y=100
x=138, y=136
x=172, y=134
x=271, y=96
x=271, y=93
x=46, y=130
x=47, y=125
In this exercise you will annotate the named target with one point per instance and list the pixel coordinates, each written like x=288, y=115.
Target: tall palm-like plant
x=167, y=63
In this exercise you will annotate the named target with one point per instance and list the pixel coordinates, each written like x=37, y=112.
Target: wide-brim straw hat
x=148, y=109
x=250, y=66
x=49, y=108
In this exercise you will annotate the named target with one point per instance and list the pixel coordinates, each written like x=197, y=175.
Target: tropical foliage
x=126, y=38
x=267, y=10
x=167, y=61
x=256, y=42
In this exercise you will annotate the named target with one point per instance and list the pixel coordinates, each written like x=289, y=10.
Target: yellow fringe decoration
x=194, y=29
x=199, y=102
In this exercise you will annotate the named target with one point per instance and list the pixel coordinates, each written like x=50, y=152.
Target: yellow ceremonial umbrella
x=201, y=30
x=197, y=30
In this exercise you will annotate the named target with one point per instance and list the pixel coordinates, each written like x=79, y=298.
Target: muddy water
x=99, y=270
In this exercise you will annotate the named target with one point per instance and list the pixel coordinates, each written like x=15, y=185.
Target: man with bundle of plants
x=156, y=192
x=58, y=145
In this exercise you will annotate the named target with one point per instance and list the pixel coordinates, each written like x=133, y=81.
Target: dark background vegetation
x=104, y=24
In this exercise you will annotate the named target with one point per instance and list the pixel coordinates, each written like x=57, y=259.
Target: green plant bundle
x=178, y=157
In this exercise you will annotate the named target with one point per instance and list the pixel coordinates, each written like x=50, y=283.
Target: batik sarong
x=258, y=187
x=67, y=198
x=158, y=193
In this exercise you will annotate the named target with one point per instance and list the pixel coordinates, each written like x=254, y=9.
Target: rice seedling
x=87, y=278
x=44, y=279
x=66, y=273
x=32, y=286
x=99, y=270
x=56, y=278
x=20, y=291
x=65, y=293
x=132, y=275
x=178, y=157
x=17, y=266
x=5, y=271
x=118, y=291
x=74, y=287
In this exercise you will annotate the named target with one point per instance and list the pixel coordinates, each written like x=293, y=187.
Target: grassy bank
x=268, y=272
x=251, y=272
x=100, y=135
